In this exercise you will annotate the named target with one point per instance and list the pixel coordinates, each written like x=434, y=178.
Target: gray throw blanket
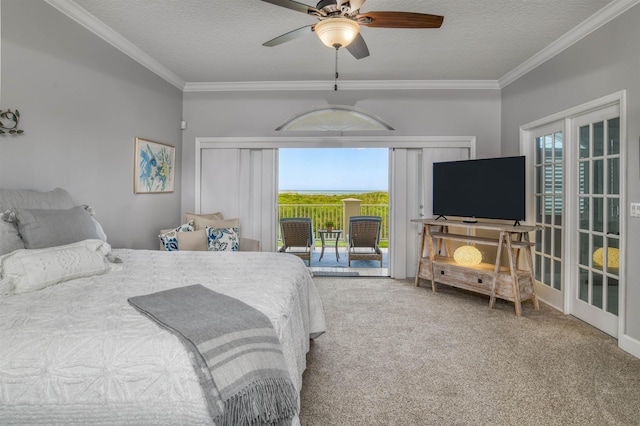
x=235, y=350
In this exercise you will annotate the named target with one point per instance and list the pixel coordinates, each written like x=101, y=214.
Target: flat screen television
x=489, y=188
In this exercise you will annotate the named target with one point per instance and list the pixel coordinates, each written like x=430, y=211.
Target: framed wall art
x=154, y=167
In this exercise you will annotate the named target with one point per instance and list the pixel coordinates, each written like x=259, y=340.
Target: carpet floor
x=396, y=354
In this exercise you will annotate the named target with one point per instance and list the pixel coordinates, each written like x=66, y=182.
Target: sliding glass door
x=411, y=198
x=241, y=183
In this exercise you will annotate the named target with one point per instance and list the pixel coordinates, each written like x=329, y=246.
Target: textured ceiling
x=221, y=41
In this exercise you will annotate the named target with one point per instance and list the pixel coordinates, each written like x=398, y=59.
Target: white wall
x=604, y=62
x=82, y=104
x=410, y=113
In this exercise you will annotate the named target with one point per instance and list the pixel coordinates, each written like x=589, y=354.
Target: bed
x=77, y=353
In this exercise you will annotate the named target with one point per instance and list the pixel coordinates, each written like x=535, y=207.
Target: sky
x=334, y=169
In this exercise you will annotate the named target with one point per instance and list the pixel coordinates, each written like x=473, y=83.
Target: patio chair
x=297, y=237
x=364, y=238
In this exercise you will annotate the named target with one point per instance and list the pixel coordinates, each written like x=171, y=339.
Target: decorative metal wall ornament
x=9, y=122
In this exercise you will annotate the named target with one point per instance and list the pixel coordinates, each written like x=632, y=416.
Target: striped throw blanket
x=235, y=350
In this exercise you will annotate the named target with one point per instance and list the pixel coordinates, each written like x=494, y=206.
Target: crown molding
x=84, y=18
x=90, y=22
x=342, y=85
x=595, y=21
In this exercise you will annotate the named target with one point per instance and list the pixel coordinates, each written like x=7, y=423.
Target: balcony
x=321, y=213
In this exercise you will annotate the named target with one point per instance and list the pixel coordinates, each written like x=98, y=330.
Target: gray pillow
x=9, y=238
x=27, y=199
x=49, y=228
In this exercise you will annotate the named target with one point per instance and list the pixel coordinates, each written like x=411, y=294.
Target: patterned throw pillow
x=222, y=239
x=170, y=239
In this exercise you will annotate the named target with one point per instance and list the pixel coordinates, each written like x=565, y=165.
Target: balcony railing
x=321, y=213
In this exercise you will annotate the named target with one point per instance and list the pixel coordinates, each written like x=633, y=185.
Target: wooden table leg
x=496, y=271
x=434, y=285
x=514, y=276
x=529, y=255
x=420, y=255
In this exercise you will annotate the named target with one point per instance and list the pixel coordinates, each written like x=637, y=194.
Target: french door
x=596, y=273
x=549, y=196
x=575, y=158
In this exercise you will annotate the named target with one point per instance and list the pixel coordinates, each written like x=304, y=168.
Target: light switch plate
x=635, y=210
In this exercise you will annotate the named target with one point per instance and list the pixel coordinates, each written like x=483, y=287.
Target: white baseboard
x=629, y=344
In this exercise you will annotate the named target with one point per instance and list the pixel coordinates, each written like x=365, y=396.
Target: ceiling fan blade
x=358, y=48
x=307, y=29
x=294, y=5
x=400, y=20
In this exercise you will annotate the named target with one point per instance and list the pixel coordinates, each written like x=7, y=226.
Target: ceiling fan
x=340, y=20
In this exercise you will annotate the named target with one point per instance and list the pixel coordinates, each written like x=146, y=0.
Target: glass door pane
x=549, y=208
x=598, y=237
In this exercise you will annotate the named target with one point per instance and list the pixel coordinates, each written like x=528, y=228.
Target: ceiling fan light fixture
x=337, y=32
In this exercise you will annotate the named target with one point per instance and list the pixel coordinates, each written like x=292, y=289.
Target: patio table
x=325, y=235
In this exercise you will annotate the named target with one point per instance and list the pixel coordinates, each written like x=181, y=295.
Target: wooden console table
x=507, y=282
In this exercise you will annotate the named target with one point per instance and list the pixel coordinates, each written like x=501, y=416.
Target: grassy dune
x=367, y=198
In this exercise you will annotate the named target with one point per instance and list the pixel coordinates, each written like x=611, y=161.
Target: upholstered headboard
x=28, y=199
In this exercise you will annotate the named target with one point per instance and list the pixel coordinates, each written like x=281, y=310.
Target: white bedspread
x=78, y=353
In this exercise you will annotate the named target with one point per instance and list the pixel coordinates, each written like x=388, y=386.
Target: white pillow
x=27, y=270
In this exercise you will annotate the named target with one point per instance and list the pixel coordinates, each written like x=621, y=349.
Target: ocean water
x=331, y=191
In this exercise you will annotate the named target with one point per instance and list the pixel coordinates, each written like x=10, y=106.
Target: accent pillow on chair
x=222, y=239
x=193, y=241
x=188, y=217
x=169, y=237
x=202, y=223
x=198, y=240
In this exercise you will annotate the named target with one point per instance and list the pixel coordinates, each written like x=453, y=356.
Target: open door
x=410, y=175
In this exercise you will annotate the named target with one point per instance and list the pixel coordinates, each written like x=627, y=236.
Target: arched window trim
x=335, y=117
